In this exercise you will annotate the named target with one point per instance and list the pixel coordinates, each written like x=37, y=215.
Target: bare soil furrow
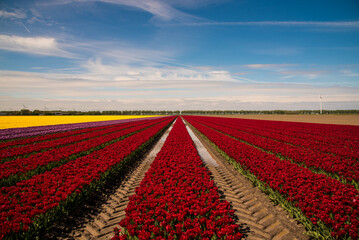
x=255, y=213
x=117, y=213
x=101, y=224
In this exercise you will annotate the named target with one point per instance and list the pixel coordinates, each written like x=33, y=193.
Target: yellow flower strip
x=32, y=121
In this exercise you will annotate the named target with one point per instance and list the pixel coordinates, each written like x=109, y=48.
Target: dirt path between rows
x=257, y=216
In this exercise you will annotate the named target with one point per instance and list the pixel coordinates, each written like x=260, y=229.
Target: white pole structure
x=321, y=104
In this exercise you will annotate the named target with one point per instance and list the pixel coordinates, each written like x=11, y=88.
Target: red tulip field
x=178, y=198
x=312, y=168
x=310, y=171
x=75, y=167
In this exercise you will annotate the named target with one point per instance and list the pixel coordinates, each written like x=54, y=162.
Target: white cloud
x=120, y=72
x=153, y=93
x=269, y=66
x=218, y=72
x=33, y=45
x=16, y=14
x=159, y=9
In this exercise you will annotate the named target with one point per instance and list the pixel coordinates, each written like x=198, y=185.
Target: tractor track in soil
x=100, y=224
x=258, y=217
x=256, y=214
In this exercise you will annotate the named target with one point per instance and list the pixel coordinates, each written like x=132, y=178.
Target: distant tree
x=36, y=112
x=25, y=112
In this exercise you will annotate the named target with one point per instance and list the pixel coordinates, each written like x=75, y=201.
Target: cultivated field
x=189, y=177
x=33, y=121
x=325, y=118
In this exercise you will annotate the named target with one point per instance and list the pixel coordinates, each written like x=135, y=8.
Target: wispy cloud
x=25, y=27
x=96, y=69
x=269, y=66
x=17, y=14
x=306, y=73
x=33, y=45
x=165, y=12
x=243, y=79
x=336, y=24
x=289, y=71
x=349, y=73
x=194, y=4
x=161, y=10
x=128, y=54
x=82, y=93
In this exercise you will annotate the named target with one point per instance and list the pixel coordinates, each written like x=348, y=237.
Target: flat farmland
x=180, y=177
x=324, y=119
x=34, y=121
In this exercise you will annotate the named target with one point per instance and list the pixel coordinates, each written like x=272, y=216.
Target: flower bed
x=327, y=207
x=12, y=133
x=32, y=205
x=48, y=137
x=341, y=138
x=60, y=139
x=177, y=198
x=24, y=168
x=343, y=168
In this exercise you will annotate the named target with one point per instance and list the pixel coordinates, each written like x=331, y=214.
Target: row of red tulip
x=62, y=140
x=320, y=132
x=177, y=198
x=26, y=132
x=48, y=137
x=33, y=203
x=343, y=145
x=345, y=168
x=26, y=164
x=326, y=133
x=324, y=201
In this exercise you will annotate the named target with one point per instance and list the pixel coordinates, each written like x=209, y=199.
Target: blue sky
x=156, y=54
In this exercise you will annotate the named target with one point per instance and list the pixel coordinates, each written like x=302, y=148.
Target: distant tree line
x=284, y=112
x=27, y=112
